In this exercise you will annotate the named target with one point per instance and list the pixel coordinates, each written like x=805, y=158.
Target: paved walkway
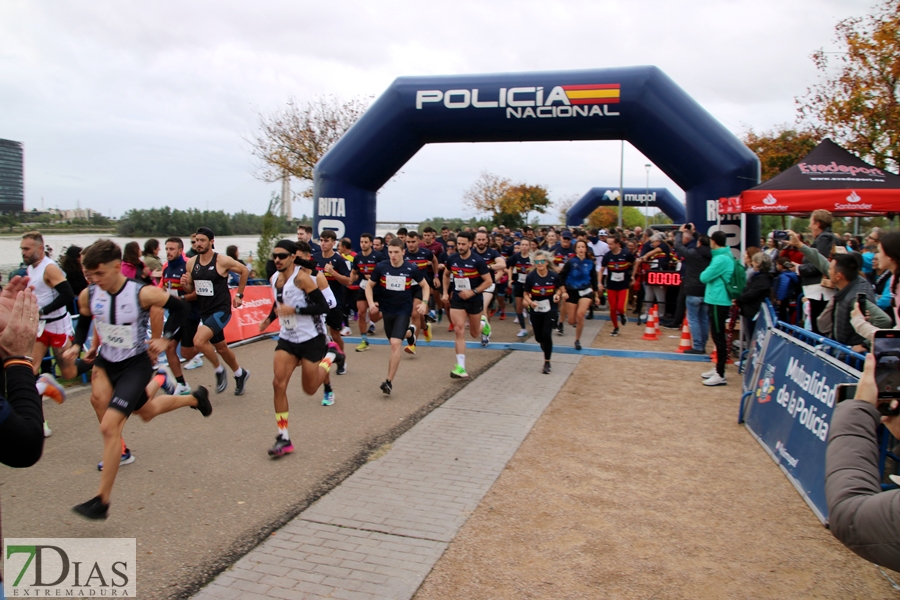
x=379, y=533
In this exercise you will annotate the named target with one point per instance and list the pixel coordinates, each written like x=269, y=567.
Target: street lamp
x=647, y=198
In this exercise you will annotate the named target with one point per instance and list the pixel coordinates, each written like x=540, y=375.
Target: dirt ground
x=638, y=483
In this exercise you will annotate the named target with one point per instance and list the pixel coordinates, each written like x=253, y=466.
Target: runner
x=207, y=275
x=496, y=264
x=304, y=234
x=542, y=296
x=395, y=282
x=336, y=272
x=311, y=268
x=175, y=267
x=561, y=252
x=363, y=265
x=579, y=280
x=123, y=369
x=469, y=277
x=617, y=264
x=427, y=263
x=301, y=339
x=519, y=264
x=449, y=250
x=197, y=361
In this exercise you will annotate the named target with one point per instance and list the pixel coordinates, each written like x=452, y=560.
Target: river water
x=11, y=257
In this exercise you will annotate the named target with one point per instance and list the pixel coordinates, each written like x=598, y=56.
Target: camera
x=886, y=348
x=780, y=235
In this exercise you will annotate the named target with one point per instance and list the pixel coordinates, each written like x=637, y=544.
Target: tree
x=508, y=204
x=858, y=103
x=270, y=231
x=605, y=217
x=294, y=139
x=563, y=205
x=780, y=149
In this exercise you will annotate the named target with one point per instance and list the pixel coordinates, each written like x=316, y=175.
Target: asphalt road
x=202, y=492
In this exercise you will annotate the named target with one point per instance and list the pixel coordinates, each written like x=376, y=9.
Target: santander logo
x=770, y=200
x=853, y=197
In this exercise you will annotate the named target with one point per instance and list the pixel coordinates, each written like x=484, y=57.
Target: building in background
x=12, y=177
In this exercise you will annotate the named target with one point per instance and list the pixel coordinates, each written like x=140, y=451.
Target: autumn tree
x=507, y=203
x=857, y=103
x=292, y=140
x=779, y=149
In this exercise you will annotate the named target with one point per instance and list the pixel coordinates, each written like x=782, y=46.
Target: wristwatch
x=239, y=295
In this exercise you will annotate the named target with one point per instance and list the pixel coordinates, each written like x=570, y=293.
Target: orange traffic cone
x=714, y=357
x=656, y=318
x=650, y=329
x=685, y=343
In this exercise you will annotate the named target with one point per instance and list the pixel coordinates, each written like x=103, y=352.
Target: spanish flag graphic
x=599, y=93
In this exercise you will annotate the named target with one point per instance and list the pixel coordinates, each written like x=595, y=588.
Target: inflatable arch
x=638, y=104
x=636, y=197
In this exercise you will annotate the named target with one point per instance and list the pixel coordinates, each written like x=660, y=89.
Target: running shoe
x=240, y=382
x=559, y=328
x=577, y=344
x=546, y=370
x=221, y=381
x=387, y=387
x=281, y=447
x=715, y=380
x=709, y=373
x=431, y=317
x=168, y=384
x=346, y=331
x=485, y=340
x=340, y=358
x=182, y=389
x=522, y=333
x=440, y=316
x=93, y=509
x=371, y=330
x=328, y=399
x=203, y=403
x=623, y=319
x=47, y=431
x=342, y=369
x=410, y=349
x=493, y=311
x=363, y=346
x=450, y=329
x=54, y=391
x=411, y=335
x=485, y=326
x=194, y=363
x=502, y=315
x=126, y=459
x=694, y=351
x=615, y=332
x=428, y=332
x=459, y=373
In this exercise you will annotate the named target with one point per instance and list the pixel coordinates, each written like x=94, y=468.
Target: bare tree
x=292, y=140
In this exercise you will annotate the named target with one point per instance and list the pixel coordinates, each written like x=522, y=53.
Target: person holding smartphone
x=860, y=515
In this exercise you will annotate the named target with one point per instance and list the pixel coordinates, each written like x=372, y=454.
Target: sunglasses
x=279, y=256
x=540, y=262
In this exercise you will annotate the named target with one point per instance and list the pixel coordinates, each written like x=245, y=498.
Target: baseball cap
x=603, y=232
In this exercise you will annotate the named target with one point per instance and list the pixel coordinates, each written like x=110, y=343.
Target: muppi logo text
x=70, y=568
x=530, y=101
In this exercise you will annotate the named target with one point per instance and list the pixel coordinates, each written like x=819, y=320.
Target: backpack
x=735, y=286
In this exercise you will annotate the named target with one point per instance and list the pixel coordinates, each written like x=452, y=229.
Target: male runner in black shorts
x=175, y=267
x=465, y=278
x=334, y=267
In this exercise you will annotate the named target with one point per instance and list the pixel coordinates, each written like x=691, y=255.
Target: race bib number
x=490, y=290
x=523, y=277
x=542, y=306
x=204, y=287
x=395, y=283
x=117, y=336
x=620, y=276
x=288, y=322
x=363, y=283
x=585, y=292
x=41, y=325
x=462, y=283
x=173, y=292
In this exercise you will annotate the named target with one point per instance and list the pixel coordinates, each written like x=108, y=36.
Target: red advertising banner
x=729, y=206
x=257, y=305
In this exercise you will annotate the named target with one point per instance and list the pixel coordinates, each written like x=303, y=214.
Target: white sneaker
x=716, y=379
x=182, y=390
x=47, y=432
x=194, y=363
x=522, y=333
x=709, y=373
x=346, y=331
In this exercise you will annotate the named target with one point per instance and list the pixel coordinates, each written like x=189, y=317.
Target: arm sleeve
x=82, y=329
x=64, y=297
x=860, y=515
x=594, y=279
x=272, y=316
x=178, y=310
x=21, y=418
x=315, y=304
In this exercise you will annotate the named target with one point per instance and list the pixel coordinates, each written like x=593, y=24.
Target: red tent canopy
x=830, y=178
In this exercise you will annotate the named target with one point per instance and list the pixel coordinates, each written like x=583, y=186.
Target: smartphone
x=844, y=391
x=688, y=226
x=780, y=235
x=861, y=299
x=886, y=348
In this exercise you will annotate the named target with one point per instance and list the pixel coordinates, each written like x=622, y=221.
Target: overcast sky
x=135, y=105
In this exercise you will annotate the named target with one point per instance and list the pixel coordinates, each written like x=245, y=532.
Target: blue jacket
x=786, y=283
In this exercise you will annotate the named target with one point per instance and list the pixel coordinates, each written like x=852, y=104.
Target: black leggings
x=717, y=329
x=544, y=324
x=21, y=419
